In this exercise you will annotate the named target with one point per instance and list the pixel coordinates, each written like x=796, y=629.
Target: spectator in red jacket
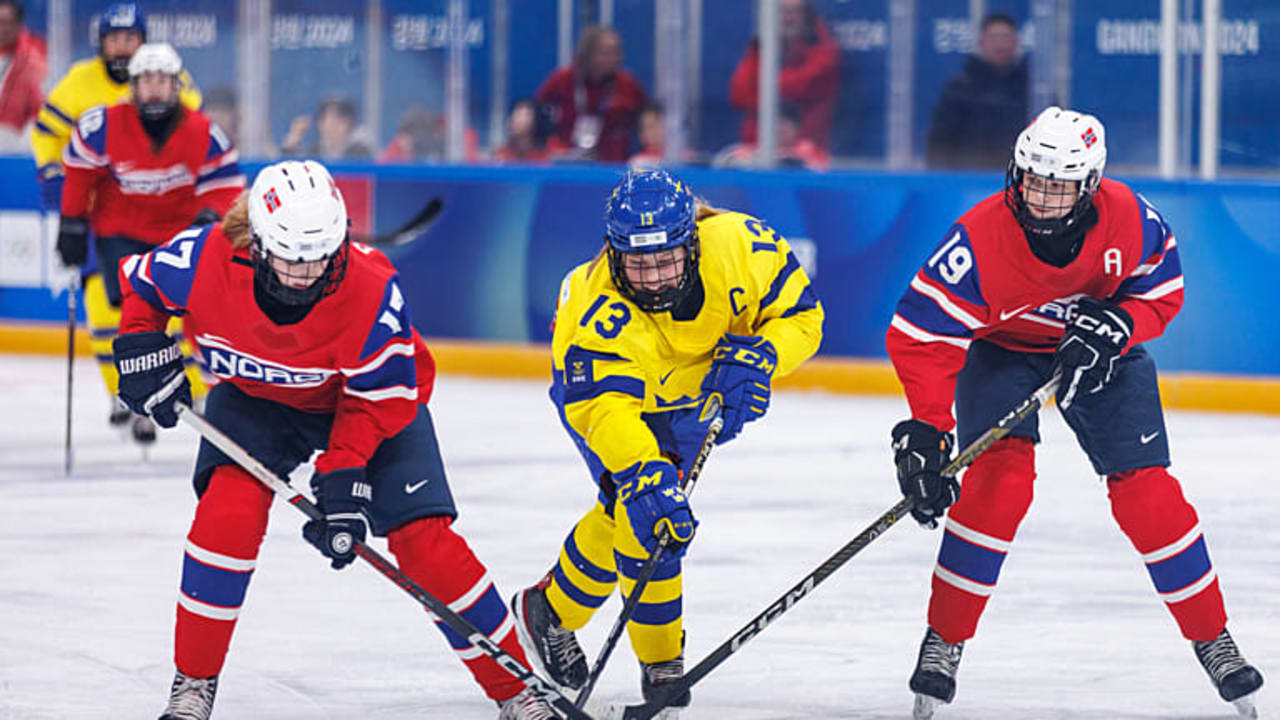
x=22, y=69
x=594, y=102
x=809, y=78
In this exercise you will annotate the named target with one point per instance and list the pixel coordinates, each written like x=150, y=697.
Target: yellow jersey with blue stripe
x=612, y=361
x=85, y=85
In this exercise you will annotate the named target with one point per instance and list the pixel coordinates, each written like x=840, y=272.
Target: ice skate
x=526, y=706
x=553, y=647
x=192, y=698
x=934, y=679
x=1235, y=679
x=652, y=679
x=143, y=430
x=120, y=413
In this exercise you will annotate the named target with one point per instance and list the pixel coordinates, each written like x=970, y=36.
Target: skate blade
x=1245, y=707
x=924, y=707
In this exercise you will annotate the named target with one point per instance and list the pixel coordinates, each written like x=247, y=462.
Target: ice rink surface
x=89, y=569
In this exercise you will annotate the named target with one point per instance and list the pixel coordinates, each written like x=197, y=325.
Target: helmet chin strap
x=118, y=69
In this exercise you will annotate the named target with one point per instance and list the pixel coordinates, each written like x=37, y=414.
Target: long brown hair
x=236, y=223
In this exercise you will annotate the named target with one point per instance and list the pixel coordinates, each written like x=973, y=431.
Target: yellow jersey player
x=100, y=80
x=683, y=300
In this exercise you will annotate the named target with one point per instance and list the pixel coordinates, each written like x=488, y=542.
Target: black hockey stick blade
x=710, y=409
x=1006, y=425
x=411, y=230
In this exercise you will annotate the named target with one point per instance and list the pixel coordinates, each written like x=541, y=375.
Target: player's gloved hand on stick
x=741, y=371
x=206, y=216
x=152, y=381
x=342, y=495
x=920, y=452
x=50, y=178
x=1097, y=335
x=73, y=240
x=654, y=500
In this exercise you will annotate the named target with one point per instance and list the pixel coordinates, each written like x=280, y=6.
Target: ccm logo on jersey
x=228, y=364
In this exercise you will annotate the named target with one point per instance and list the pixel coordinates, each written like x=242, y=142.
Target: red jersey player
x=136, y=173
x=312, y=339
x=1064, y=271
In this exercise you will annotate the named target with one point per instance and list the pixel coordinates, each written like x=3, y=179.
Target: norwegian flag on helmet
x=272, y=200
x=1089, y=138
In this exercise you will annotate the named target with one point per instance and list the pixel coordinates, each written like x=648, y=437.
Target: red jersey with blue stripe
x=355, y=354
x=983, y=282
x=128, y=186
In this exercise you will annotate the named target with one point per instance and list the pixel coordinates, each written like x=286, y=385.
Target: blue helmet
x=650, y=214
x=122, y=16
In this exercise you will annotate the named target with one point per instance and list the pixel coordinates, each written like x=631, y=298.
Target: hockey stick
x=408, y=232
x=71, y=361
x=710, y=409
x=440, y=610
x=1006, y=425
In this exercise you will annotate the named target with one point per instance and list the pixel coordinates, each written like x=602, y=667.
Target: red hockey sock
x=439, y=560
x=1163, y=527
x=221, y=551
x=994, y=497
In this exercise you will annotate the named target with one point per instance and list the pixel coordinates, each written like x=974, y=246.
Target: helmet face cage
x=664, y=266
x=650, y=230
x=1060, y=206
x=313, y=286
x=124, y=16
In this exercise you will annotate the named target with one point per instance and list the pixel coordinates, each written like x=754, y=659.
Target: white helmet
x=1062, y=145
x=297, y=211
x=297, y=214
x=157, y=57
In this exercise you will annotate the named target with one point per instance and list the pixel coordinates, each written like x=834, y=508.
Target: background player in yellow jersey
x=683, y=300
x=100, y=80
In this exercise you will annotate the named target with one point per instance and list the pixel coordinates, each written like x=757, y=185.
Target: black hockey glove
x=920, y=452
x=73, y=240
x=152, y=381
x=343, y=496
x=1095, y=337
x=206, y=216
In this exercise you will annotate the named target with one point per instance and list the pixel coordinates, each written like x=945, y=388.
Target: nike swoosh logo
x=663, y=380
x=1006, y=315
x=411, y=489
x=1148, y=438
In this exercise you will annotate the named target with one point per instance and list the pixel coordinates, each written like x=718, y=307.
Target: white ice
x=89, y=568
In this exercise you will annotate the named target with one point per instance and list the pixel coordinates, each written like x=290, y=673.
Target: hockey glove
x=655, y=502
x=50, y=179
x=741, y=370
x=1097, y=335
x=152, y=381
x=342, y=495
x=73, y=241
x=920, y=452
x=206, y=216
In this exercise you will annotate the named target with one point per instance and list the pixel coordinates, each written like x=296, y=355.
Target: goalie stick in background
x=683, y=300
x=1064, y=270
x=315, y=348
x=136, y=173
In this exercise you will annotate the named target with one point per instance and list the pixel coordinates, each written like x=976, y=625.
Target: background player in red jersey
x=1064, y=271
x=312, y=339
x=136, y=173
